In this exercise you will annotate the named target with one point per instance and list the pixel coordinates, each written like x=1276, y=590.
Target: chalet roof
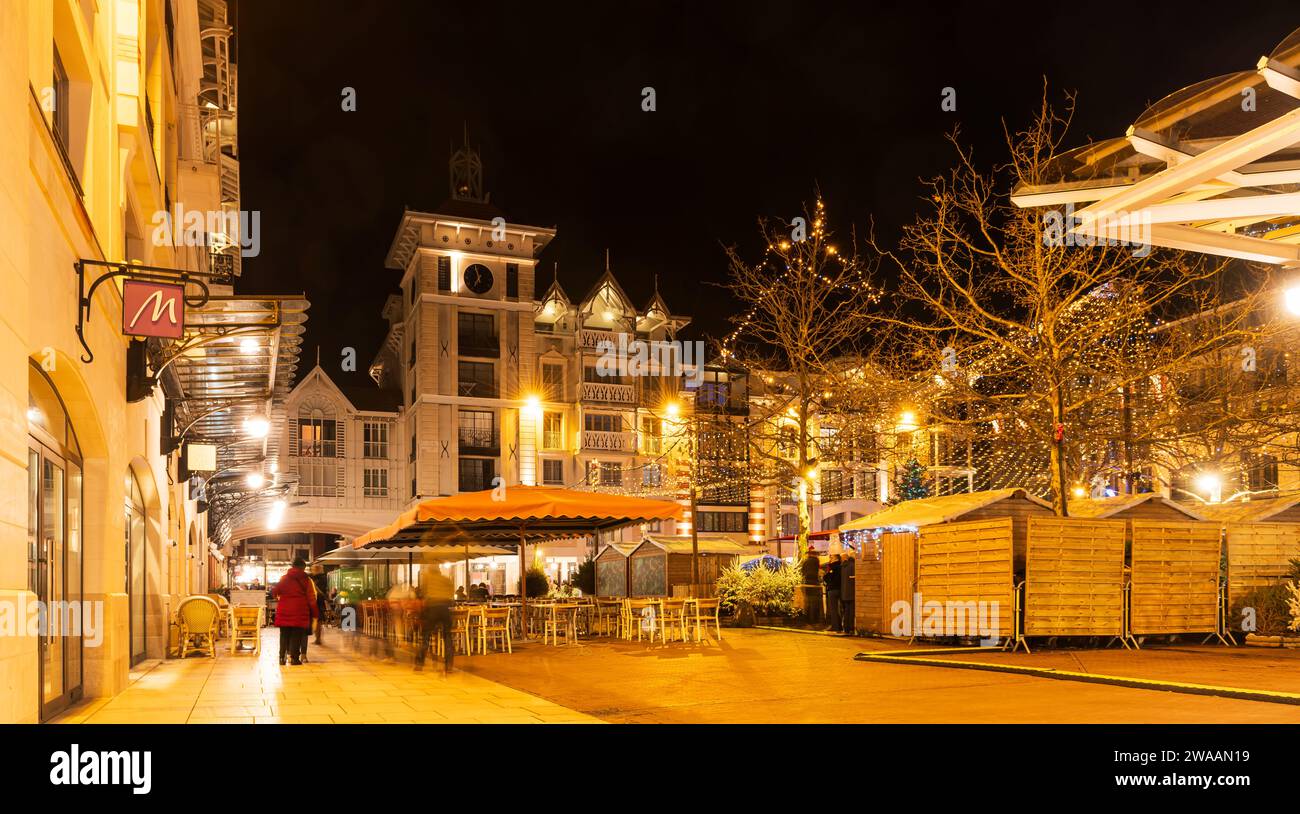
x=1099, y=508
x=708, y=544
x=1247, y=511
x=625, y=549
x=928, y=511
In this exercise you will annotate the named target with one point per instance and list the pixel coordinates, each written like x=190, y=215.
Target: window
x=317, y=479
x=610, y=473
x=602, y=422
x=376, y=483
x=512, y=281
x=593, y=374
x=869, y=485
x=652, y=475
x=552, y=430
x=476, y=474
x=833, y=485
x=317, y=436
x=412, y=453
x=410, y=352
x=722, y=521
x=651, y=435
x=375, y=439
x=552, y=472
x=476, y=335
x=477, y=379
x=62, y=101
x=1261, y=473
x=553, y=381
x=477, y=429
x=789, y=525
x=444, y=274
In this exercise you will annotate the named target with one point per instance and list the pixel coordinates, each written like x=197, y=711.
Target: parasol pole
x=523, y=587
x=466, y=569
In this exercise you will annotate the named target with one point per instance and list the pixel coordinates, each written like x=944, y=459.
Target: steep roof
x=928, y=511
x=1098, y=508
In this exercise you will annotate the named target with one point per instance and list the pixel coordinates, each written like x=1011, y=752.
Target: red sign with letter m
x=153, y=309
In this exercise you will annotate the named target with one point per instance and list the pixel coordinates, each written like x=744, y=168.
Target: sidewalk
x=335, y=686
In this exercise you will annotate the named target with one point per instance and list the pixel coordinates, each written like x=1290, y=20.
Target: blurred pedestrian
x=321, y=583
x=295, y=610
x=435, y=596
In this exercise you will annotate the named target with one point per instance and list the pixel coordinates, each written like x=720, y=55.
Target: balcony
x=609, y=441
x=479, y=442
x=609, y=392
x=590, y=339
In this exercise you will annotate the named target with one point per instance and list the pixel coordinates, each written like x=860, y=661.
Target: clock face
x=478, y=278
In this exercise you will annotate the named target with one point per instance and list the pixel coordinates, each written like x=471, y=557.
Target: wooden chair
x=707, y=610
x=671, y=619
x=460, y=630
x=200, y=618
x=634, y=613
x=246, y=627
x=495, y=627
x=559, y=620
x=608, y=612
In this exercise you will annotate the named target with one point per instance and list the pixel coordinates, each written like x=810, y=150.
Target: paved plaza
x=336, y=686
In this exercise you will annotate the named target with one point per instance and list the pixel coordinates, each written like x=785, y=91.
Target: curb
x=1239, y=693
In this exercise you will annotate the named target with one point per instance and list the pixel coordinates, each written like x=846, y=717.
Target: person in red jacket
x=295, y=612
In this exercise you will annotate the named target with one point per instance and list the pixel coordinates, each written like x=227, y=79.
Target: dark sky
x=756, y=104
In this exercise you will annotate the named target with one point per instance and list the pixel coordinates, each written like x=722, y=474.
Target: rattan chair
x=200, y=617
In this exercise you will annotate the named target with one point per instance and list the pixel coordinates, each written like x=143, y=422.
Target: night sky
x=757, y=105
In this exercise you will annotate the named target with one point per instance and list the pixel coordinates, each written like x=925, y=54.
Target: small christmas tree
x=911, y=484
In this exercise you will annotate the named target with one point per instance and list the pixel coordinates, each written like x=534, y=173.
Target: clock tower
x=462, y=350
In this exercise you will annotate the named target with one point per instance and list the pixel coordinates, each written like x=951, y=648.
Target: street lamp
x=1212, y=485
x=256, y=426
x=254, y=480
x=1292, y=299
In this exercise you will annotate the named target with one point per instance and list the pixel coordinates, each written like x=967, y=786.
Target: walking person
x=848, y=566
x=295, y=611
x=322, y=602
x=832, y=579
x=435, y=596
x=810, y=569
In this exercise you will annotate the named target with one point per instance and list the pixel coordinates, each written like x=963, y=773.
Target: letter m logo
x=153, y=309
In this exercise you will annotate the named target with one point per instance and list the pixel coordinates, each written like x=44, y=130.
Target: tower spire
x=466, y=172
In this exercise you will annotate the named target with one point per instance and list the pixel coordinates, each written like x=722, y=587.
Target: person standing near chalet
x=833, y=593
x=848, y=565
x=295, y=611
x=810, y=569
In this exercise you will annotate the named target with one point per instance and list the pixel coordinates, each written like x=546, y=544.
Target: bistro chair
x=634, y=614
x=608, y=613
x=707, y=610
x=494, y=627
x=460, y=630
x=200, y=618
x=672, y=619
x=246, y=627
x=559, y=620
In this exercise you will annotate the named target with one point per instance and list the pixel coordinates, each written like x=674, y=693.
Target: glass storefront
x=137, y=587
x=54, y=544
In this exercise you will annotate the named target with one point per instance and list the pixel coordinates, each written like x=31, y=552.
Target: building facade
x=116, y=117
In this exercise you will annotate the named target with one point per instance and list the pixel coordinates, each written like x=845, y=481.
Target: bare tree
x=1030, y=340
x=805, y=327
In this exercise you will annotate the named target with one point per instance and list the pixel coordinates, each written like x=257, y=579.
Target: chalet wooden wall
x=1175, y=576
x=969, y=562
x=1074, y=577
